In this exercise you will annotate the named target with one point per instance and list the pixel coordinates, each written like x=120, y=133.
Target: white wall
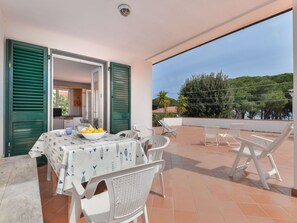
x=174, y=121
x=2, y=74
x=141, y=93
x=55, y=40
x=295, y=89
x=249, y=125
x=141, y=71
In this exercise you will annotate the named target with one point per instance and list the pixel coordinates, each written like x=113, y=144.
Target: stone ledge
x=19, y=190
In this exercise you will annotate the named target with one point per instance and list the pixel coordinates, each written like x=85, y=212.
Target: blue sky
x=262, y=49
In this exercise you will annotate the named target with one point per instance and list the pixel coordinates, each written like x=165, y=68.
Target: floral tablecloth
x=72, y=156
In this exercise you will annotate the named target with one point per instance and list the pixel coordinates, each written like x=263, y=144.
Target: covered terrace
x=198, y=188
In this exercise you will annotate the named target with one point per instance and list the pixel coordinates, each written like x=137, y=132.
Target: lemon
x=83, y=131
x=100, y=130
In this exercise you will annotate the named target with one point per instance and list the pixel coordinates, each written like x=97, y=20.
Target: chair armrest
x=262, y=138
x=263, y=141
x=156, y=149
x=78, y=188
x=77, y=194
x=159, y=168
x=153, y=151
x=251, y=143
x=169, y=129
x=153, y=131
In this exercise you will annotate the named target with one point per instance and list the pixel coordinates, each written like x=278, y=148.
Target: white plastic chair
x=154, y=145
x=230, y=137
x=258, y=149
x=143, y=131
x=81, y=126
x=125, y=198
x=167, y=129
x=211, y=132
x=76, y=121
x=128, y=134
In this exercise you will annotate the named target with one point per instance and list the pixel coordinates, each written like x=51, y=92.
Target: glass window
x=60, y=100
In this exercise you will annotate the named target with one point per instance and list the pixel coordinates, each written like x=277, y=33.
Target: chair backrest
x=82, y=126
x=155, y=146
x=234, y=129
x=279, y=140
x=211, y=131
x=128, y=190
x=143, y=130
x=128, y=134
x=77, y=121
x=164, y=125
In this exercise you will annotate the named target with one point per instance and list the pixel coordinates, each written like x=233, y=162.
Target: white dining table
x=71, y=156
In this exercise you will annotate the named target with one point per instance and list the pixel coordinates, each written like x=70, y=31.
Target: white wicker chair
x=128, y=134
x=154, y=146
x=143, y=131
x=258, y=149
x=124, y=200
x=81, y=126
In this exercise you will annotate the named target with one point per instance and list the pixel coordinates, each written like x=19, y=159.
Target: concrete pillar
x=294, y=190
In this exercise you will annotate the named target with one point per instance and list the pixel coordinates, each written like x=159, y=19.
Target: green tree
x=259, y=90
x=163, y=100
x=285, y=83
x=208, y=95
x=155, y=102
x=54, y=98
x=240, y=98
x=182, y=103
x=63, y=104
x=265, y=95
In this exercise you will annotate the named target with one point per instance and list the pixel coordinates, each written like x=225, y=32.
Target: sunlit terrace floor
x=198, y=188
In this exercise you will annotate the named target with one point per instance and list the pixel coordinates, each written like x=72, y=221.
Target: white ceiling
x=71, y=71
x=155, y=29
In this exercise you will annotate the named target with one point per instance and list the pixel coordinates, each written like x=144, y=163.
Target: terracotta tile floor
x=198, y=188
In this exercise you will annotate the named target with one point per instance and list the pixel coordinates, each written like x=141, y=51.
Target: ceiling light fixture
x=124, y=9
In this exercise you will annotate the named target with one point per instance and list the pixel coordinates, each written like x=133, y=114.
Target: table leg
x=49, y=171
x=54, y=183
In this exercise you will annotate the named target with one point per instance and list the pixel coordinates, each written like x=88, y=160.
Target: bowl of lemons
x=92, y=133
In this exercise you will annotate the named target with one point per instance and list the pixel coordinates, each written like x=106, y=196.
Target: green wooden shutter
x=26, y=111
x=120, y=106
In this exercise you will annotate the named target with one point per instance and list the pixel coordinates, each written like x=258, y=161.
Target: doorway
x=78, y=91
x=31, y=100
